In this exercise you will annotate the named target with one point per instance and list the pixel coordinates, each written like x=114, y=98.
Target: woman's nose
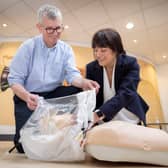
x=98, y=54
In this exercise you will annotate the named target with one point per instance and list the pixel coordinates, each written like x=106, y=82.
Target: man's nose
x=55, y=32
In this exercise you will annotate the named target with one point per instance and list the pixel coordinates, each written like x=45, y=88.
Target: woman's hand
x=96, y=118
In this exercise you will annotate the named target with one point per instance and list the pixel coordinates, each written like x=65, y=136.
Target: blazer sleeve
x=127, y=89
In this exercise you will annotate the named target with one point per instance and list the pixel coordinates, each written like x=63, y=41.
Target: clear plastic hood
x=53, y=132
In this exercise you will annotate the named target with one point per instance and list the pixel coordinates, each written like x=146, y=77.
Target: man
x=40, y=66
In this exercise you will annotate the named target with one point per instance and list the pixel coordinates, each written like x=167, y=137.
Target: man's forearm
x=78, y=82
x=20, y=91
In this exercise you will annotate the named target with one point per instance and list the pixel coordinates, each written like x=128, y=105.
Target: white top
x=109, y=92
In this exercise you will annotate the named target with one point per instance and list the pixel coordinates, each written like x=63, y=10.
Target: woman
x=118, y=77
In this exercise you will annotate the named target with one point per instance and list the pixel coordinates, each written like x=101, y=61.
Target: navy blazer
x=126, y=83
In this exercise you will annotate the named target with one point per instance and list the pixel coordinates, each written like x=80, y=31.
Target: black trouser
x=22, y=113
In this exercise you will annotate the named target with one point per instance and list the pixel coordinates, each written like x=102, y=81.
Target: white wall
x=162, y=74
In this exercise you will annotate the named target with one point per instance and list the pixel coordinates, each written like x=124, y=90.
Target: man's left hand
x=90, y=84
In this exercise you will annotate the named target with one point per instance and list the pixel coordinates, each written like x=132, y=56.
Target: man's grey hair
x=49, y=11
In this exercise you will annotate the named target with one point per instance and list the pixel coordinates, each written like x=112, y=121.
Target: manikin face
x=104, y=56
x=51, y=30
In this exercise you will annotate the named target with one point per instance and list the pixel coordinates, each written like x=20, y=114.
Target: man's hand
x=86, y=84
x=22, y=93
x=90, y=84
x=32, y=101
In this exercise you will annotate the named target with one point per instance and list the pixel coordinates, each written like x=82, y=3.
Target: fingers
x=95, y=86
x=95, y=118
x=90, y=84
x=32, y=101
x=83, y=142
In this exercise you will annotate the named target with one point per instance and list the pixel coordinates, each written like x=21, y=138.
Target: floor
x=15, y=160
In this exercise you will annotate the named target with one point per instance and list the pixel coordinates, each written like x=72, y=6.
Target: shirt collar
x=44, y=45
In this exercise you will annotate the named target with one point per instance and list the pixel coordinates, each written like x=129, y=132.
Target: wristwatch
x=99, y=113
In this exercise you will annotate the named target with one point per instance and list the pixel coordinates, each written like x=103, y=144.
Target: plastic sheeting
x=54, y=130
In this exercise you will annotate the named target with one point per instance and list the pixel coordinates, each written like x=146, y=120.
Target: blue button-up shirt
x=40, y=69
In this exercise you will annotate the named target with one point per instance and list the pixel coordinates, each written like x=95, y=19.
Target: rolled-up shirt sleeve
x=71, y=71
x=19, y=66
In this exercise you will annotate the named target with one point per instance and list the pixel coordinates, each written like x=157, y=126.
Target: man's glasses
x=51, y=30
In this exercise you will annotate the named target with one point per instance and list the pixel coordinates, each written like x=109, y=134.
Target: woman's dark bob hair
x=108, y=38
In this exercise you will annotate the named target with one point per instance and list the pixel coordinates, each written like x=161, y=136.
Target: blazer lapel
x=99, y=74
x=118, y=71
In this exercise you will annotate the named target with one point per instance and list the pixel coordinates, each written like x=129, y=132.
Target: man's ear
x=39, y=27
